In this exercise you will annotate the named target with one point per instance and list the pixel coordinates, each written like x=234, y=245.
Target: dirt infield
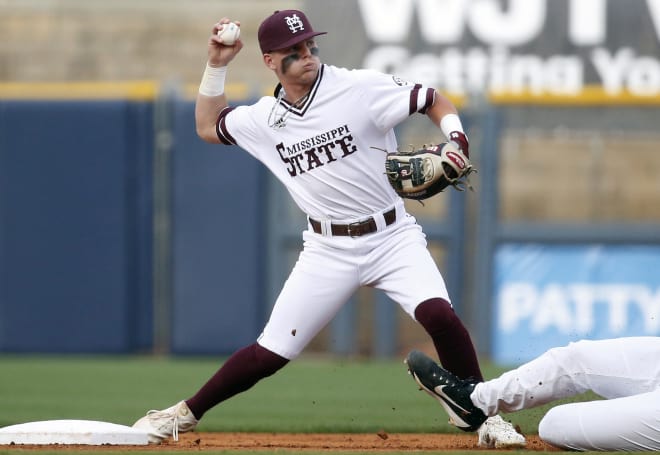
x=376, y=442
x=380, y=441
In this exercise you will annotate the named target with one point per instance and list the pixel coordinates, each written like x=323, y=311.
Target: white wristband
x=213, y=81
x=449, y=123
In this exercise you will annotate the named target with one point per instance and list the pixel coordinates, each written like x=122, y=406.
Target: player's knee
x=550, y=428
x=435, y=314
x=269, y=362
x=563, y=426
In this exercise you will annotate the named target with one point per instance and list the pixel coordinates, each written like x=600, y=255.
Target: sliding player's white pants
x=624, y=371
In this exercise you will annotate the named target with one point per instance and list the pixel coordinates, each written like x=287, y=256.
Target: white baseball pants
x=624, y=371
x=331, y=269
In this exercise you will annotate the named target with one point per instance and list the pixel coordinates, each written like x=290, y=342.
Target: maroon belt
x=356, y=229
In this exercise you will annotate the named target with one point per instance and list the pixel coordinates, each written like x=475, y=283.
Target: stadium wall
x=120, y=230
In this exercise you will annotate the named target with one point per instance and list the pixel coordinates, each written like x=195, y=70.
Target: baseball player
x=624, y=371
x=324, y=134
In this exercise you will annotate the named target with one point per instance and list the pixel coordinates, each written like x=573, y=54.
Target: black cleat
x=452, y=393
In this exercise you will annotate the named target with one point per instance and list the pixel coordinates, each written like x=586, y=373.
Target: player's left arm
x=444, y=115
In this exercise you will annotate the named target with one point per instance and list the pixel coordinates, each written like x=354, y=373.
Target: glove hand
x=461, y=141
x=420, y=174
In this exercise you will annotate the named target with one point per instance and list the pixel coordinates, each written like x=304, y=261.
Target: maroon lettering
x=346, y=145
x=308, y=154
x=291, y=169
x=295, y=160
x=313, y=160
x=325, y=148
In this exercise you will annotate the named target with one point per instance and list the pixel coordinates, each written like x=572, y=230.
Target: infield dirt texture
x=286, y=443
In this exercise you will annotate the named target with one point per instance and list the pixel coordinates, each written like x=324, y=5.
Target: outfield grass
x=309, y=395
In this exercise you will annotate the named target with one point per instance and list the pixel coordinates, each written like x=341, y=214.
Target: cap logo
x=295, y=23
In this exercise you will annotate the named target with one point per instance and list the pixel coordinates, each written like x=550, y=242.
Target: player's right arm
x=211, y=98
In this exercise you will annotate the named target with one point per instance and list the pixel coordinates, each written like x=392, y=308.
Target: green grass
x=309, y=395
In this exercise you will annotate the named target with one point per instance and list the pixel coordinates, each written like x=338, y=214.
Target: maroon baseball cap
x=283, y=29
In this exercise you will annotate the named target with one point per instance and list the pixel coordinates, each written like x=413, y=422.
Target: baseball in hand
x=229, y=33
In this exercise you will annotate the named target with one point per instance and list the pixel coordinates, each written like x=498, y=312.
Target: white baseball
x=229, y=33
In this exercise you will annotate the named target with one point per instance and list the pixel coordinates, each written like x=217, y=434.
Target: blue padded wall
x=218, y=250
x=75, y=226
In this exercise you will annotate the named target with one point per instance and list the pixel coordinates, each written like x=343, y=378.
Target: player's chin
x=310, y=70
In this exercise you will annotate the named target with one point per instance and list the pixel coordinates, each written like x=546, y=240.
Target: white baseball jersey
x=329, y=152
x=624, y=371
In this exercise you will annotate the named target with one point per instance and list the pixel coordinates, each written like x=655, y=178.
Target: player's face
x=299, y=62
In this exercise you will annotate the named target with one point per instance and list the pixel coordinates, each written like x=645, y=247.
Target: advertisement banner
x=549, y=295
x=518, y=47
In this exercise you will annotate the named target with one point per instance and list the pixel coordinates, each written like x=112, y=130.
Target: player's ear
x=268, y=61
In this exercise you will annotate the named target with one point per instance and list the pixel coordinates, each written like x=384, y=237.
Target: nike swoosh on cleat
x=448, y=400
x=451, y=407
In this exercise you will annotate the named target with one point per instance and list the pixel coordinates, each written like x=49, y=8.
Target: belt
x=356, y=229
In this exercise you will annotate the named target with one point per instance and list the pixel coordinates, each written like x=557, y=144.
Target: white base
x=87, y=432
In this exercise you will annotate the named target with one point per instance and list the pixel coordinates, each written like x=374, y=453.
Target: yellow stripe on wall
x=591, y=95
x=134, y=90
x=149, y=90
x=130, y=90
x=232, y=91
